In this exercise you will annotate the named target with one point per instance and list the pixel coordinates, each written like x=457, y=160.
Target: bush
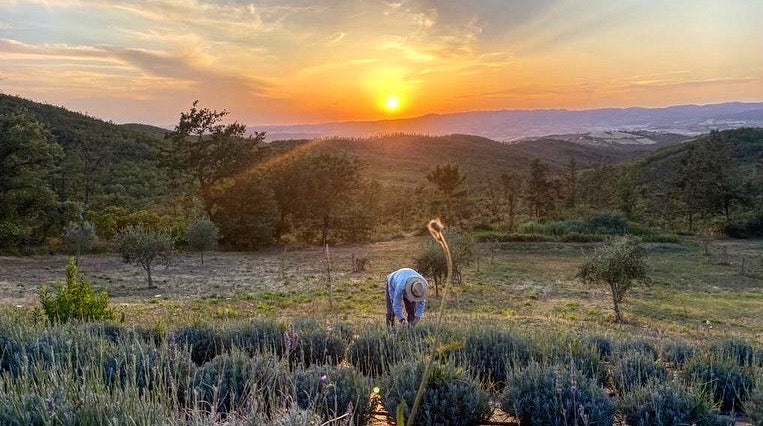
x=491, y=353
x=619, y=265
x=635, y=371
x=430, y=261
x=228, y=383
x=607, y=222
x=545, y=395
x=202, y=236
x=256, y=336
x=451, y=396
x=735, y=349
x=750, y=228
x=602, y=345
x=724, y=380
x=664, y=405
x=204, y=342
x=754, y=406
x=317, y=347
x=32, y=409
x=80, y=235
x=143, y=247
x=677, y=353
x=374, y=351
x=334, y=391
x=75, y=300
x=638, y=346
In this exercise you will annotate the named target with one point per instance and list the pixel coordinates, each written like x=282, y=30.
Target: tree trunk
x=150, y=281
x=616, y=305
x=202, y=258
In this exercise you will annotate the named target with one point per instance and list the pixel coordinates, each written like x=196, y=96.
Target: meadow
x=196, y=349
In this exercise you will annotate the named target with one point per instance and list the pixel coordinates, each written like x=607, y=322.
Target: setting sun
x=392, y=103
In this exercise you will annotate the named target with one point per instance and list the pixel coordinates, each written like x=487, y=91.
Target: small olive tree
x=80, y=235
x=430, y=261
x=620, y=265
x=143, y=247
x=202, y=236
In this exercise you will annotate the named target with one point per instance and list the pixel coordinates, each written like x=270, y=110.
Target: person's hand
x=415, y=321
x=404, y=322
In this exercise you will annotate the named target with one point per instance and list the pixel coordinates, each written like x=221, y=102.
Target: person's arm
x=419, y=311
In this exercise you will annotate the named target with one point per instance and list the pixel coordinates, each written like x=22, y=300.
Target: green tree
x=81, y=235
x=75, y=300
x=511, y=184
x=27, y=155
x=206, y=151
x=145, y=248
x=570, y=178
x=539, y=190
x=430, y=260
x=202, y=235
x=451, y=191
x=619, y=265
x=247, y=213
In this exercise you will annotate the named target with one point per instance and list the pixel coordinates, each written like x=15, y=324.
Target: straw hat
x=416, y=289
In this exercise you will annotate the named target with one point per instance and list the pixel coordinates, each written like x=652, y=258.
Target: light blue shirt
x=396, y=290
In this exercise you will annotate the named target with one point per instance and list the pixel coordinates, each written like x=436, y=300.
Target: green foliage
x=601, y=345
x=664, y=405
x=230, y=382
x=203, y=342
x=450, y=193
x=555, y=396
x=75, y=300
x=751, y=227
x=636, y=370
x=375, y=350
x=112, y=220
x=737, y=350
x=143, y=247
x=539, y=191
x=677, y=353
x=727, y=383
x=317, y=347
x=27, y=156
x=246, y=212
x=202, y=236
x=493, y=353
x=630, y=346
x=753, y=407
x=452, y=396
x=81, y=235
x=430, y=261
x=333, y=392
x=619, y=265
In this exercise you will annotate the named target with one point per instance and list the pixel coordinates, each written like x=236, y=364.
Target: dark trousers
x=408, y=306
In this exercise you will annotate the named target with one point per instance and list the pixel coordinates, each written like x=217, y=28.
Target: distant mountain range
x=511, y=125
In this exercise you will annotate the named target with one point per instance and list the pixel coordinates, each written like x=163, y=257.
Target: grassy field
x=531, y=285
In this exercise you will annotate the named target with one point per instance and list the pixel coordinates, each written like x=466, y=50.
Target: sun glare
x=392, y=104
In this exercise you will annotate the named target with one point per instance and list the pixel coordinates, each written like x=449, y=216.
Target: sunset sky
x=300, y=61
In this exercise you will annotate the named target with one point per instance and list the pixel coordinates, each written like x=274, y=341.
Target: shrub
x=143, y=247
x=574, y=353
x=635, y=371
x=545, y=395
x=491, y=353
x=724, y=380
x=334, y=391
x=749, y=228
x=664, y=405
x=202, y=236
x=638, y=346
x=736, y=350
x=33, y=409
x=229, y=381
x=204, y=342
x=430, y=261
x=80, y=235
x=452, y=396
x=754, y=406
x=619, y=265
x=677, y=353
x=317, y=347
x=602, y=345
x=374, y=351
x=75, y=300
x=607, y=222
x=256, y=336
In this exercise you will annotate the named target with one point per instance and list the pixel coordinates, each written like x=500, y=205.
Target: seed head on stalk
x=435, y=228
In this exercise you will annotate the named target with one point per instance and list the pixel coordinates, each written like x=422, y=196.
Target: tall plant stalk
x=435, y=228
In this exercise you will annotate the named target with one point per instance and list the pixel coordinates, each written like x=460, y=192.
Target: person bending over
x=406, y=297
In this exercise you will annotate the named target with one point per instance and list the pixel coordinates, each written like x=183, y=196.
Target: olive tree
x=202, y=236
x=80, y=235
x=144, y=247
x=430, y=261
x=620, y=265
